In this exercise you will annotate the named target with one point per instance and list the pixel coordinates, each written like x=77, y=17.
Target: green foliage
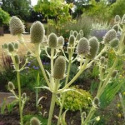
x=77, y=99
x=4, y=17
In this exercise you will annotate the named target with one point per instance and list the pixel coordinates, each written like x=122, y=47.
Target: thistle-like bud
x=102, y=60
x=75, y=33
x=35, y=121
x=94, y=47
x=5, y=46
x=52, y=40
x=81, y=33
x=60, y=41
x=17, y=60
x=115, y=72
x=71, y=40
x=78, y=36
x=11, y=86
x=59, y=68
x=16, y=26
x=16, y=46
x=110, y=35
x=96, y=102
x=71, y=32
x=114, y=43
x=83, y=47
x=10, y=47
x=37, y=32
x=24, y=96
x=116, y=28
x=123, y=19
x=117, y=19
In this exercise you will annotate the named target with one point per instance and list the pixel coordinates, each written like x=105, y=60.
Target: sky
x=33, y=2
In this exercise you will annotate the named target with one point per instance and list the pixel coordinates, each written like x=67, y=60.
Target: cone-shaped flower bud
x=71, y=32
x=110, y=35
x=123, y=19
x=103, y=60
x=71, y=40
x=83, y=47
x=60, y=41
x=10, y=47
x=116, y=28
x=59, y=68
x=115, y=72
x=37, y=32
x=16, y=46
x=16, y=26
x=17, y=60
x=11, y=86
x=117, y=19
x=96, y=102
x=81, y=33
x=75, y=33
x=35, y=121
x=114, y=43
x=5, y=46
x=78, y=36
x=52, y=40
x=94, y=47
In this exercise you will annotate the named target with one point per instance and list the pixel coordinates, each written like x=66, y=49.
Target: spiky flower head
x=83, y=47
x=37, y=32
x=117, y=19
x=60, y=41
x=59, y=68
x=114, y=43
x=110, y=35
x=4, y=46
x=81, y=33
x=115, y=72
x=52, y=40
x=94, y=47
x=15, y=45
x=10, y=47
x=16, y=26
x=123, y=19
x=102, y=60
x=17, y=60
x=35, y=121
x=11, y=86
x=78, y=36
x=71, y=40
x=71, y=32
x=116, y=28
x=75, y=33
x=96, y=102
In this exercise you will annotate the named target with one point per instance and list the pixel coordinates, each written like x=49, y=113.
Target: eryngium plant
x=87, y=52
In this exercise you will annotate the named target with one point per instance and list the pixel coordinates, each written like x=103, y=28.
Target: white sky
x=33, y=2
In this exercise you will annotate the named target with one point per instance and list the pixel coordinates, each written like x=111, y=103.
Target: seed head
x=83, y=47
x=78, y=36
x=11, y=86
x=16, y=26
x=37, y=32
x=59, y=68
x=71, y=40
x=94, y=47
x=35, y=121
x=10, y=47
x=114, y=43
x=60, y=41
x=52, y=40
x=110, y=35
x=4, y=46
x=117, y=19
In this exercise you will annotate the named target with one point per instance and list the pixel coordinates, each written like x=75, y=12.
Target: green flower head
x=117, y=19
x=114, y=43
x=60, y=41
x=35, y=121
x=71, y=40
x=11, y=86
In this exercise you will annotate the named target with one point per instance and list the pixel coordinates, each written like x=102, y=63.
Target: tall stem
x=53, y=100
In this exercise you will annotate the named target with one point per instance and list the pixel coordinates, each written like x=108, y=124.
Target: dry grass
x=9, y=38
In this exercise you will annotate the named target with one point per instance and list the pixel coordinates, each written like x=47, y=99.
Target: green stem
x=53, y=100
x=52, y=54
x=20, y=103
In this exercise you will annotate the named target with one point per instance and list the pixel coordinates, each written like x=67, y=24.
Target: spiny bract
x=37, y=32
x=16, y=26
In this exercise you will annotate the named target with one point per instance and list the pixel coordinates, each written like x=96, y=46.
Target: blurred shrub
x=77, y=100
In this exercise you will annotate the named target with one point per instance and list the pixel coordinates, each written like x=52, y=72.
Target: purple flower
x=35, y=67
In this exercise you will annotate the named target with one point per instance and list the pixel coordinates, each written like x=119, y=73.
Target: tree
x=17, y=7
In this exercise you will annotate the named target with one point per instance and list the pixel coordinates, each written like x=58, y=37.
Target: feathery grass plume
x=78, y=36
x=59, y=68
x=116, y=28
x=71, y=32
x=110, y=35
x=11, y=86
x=114, y=43
x=60, y=41
x=81, y=33
x=83, y=47
x=35, y=121
x=52, y=40
x=117, y=19
x=123, y=19
x=71, y=40
x=16, y=26
x=75, y=33
x=37, y=32
x=10, y=47
x=15, y=45
x=94, y=47
x=17, y=60
x=115, y=72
